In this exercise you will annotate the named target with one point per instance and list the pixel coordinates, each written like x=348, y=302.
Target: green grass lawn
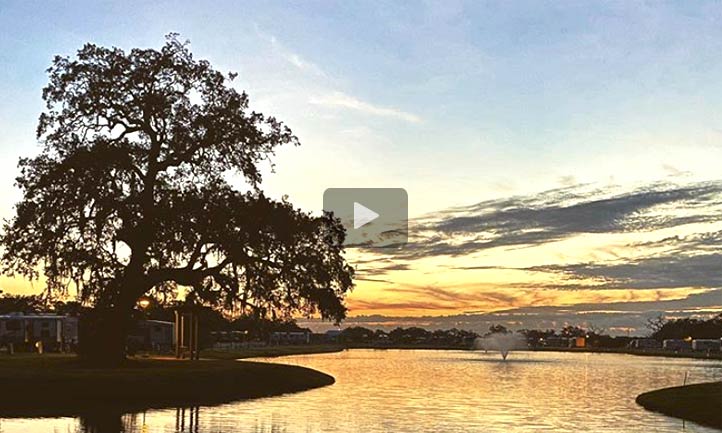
x=701, y=403
x=57, y=385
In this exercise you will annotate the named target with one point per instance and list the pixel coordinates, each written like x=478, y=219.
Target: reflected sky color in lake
x=437, y=391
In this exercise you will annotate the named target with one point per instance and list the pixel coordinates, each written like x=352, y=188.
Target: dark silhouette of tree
x=356, y=334
x=497, y=329
x=69, y=308
x=536, y=337
x=570, y=331
x=380, y=334
x=131, y=195
x=20, y=303
x=656, y=323
x=689, y=328
x=409, y=335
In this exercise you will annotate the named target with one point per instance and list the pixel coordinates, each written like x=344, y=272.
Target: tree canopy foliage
x=133, y=192
x=686, y=327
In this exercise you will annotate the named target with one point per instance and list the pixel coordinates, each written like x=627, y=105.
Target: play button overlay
x=372, y=217
x=362, y=215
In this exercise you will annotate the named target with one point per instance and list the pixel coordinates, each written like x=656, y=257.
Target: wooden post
x=187, y=336
x=59, y=331
x=191, y=337
x=195, y=335
x=184, y=336
x=176, y=335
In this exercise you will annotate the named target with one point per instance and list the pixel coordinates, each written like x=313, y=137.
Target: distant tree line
x=360, y=336
x=31, y=304
x=662, y=329
x=260, y=328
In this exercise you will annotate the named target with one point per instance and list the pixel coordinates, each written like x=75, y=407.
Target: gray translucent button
x=372, y=217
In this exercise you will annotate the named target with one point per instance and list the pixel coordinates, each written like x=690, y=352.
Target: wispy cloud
x=560, y=214
x=295, y=59
x=325, y=92
x=340, y=99
x=687, y=269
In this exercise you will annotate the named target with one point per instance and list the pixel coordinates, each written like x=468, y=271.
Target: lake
x=423, y=391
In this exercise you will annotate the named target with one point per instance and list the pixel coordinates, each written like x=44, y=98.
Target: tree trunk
x=103, y=336
x=103, y=332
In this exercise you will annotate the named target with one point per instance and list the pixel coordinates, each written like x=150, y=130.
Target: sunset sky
x=563, y=160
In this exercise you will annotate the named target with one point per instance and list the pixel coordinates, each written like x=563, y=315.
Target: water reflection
x=432, y=391
x=106, y=420
x=187, y=418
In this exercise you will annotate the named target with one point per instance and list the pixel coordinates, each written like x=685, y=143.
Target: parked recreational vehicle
x=55, y=333
x=706, y=345
x=155, y=335
x=298, y=337
x=677, y=344
x=645, y=343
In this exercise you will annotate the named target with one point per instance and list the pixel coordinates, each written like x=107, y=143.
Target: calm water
x=435, y=391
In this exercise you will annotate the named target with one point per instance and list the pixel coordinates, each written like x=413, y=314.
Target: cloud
x=298, y=61
x=568, y=180
x=559, y=214
x=614, y=317
x=324, y=86
x=340, y=99
x=293, y=58
x=668, y=271
x=674, y=171
x=332, y=98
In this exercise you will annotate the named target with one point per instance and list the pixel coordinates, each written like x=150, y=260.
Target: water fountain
x=503, y=342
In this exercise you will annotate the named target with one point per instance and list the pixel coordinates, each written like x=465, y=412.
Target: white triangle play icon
x=362, y=215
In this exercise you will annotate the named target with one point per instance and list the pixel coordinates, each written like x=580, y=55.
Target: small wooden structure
x=186, y=332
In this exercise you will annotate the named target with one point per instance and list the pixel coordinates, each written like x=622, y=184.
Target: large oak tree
x=131, y=194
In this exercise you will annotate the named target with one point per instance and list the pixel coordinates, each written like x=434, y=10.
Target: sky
x=562, y=159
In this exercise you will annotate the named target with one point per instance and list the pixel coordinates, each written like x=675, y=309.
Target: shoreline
x=715, y=356
x=290, y=350
x=57, y=385
x=271, y=351
x=700, y=403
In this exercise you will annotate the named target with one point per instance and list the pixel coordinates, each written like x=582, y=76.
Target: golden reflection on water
x=435, y=391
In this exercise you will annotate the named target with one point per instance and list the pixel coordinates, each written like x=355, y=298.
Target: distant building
x=60, y=333
x=332, y=335
x=554, y=341
x=706, y=345
x=645, y=343
x=675, y=344
x=55, y=332
x=295, y=337
x=578, y=342
x=155, y=335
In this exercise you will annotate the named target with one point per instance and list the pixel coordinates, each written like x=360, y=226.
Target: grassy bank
x=271, y=351
x=701, y=403
x=54, y=385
